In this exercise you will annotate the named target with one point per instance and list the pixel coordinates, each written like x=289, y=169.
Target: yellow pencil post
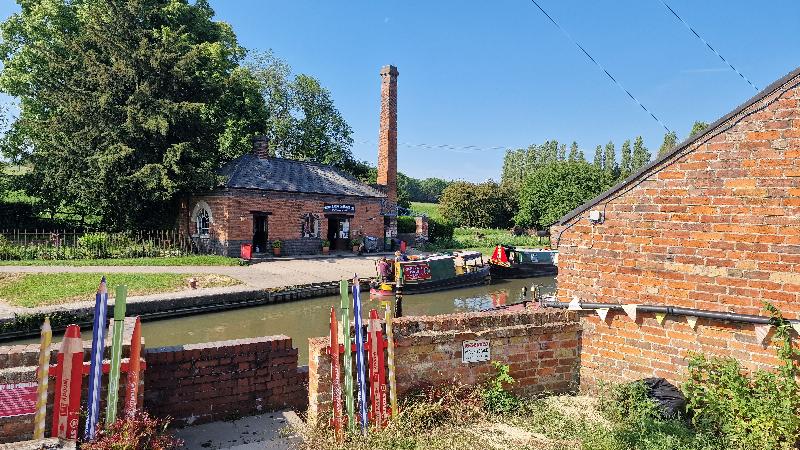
x=43, y=378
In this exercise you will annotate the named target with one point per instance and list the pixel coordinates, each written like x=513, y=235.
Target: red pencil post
x=132, y=387
x=336, y=385
x=377, y=371
x=69, y=375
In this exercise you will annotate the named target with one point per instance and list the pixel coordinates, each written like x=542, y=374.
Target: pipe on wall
x=675, y=311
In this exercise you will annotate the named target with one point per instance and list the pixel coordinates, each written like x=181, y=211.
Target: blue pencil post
x=96, y=367
x=360, y=364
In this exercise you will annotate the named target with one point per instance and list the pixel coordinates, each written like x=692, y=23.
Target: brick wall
x=221, y=380
x=713, y=227
x=232, y=222
x=541, y=347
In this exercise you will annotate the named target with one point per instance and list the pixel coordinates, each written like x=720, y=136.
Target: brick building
x=265, y=199
x=712, y=225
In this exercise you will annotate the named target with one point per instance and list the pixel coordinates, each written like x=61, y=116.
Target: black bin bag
x=669, y=398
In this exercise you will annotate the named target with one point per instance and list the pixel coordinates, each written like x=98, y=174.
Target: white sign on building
x=475, y=351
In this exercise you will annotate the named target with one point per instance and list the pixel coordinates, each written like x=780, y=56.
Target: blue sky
x=498, y=74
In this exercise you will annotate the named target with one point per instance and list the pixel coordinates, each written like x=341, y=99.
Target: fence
x=76, y=244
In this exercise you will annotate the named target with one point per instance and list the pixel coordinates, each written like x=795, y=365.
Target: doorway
x=339, y=232
x=260, y=233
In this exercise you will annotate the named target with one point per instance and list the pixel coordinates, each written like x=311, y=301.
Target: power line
x=599, y=65
x=708, y=45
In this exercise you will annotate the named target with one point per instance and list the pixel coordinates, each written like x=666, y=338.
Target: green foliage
x=440, y=230
x=670, y=140
x=484, y=205
x=641, y=155
x=518, y=163
x=496, y=398
x=611, y=170
x=626, y=163
x=406, y=224
x=553, y=190
x=140, y=432
x=744, y=409
x=697, y=127
x=277, y=243
x=430, y=210
x=147, y=97
x=58, y=246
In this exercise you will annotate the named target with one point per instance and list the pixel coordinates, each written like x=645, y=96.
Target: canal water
x=303, y=319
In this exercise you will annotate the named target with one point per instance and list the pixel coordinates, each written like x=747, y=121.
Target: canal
x=303, y=319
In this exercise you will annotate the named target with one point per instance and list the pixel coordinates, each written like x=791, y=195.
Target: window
x=203, y=222
x=310, y=226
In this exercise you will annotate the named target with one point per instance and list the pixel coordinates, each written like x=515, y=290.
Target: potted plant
x=326, y=246
x=276, y=248
x=355, y=243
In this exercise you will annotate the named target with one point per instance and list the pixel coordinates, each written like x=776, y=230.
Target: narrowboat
x=512, y=262
x=436, y=272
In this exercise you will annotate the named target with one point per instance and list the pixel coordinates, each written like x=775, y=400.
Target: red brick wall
x=232, y=222
x=541, y=348
x=221, y=380
x=717, y=227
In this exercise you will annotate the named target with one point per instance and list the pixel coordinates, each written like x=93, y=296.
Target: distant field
x=191, y=260
x=429, y=209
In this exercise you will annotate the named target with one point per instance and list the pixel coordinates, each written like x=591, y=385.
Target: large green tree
x=483, y=205
x=670, y=140
x=626, y=164
x=697, y=127
x=641, y=155
x=518, y=163
x=554, y=189
x=125, y=104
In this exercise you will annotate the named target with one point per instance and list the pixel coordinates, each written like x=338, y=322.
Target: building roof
x=712, y=129
x=286, y=175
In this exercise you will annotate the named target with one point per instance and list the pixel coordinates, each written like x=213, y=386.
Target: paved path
x=261, y=432
x=270, y=274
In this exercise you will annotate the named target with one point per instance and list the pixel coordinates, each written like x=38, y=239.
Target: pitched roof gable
x=286, y=175
x=712, y=129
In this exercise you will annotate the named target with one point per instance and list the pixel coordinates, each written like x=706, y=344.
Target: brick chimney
x=261, y=147
x=387, y=135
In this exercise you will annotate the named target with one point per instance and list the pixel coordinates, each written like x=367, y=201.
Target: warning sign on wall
x=475, y=351
x=17, y=399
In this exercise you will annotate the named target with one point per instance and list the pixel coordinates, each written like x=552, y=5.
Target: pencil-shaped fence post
x=116, y=354
x=347, y=363
x=336, y=380
x=390, y=358
x=132, y=388
x=43, y=375
x=96, y=361
x=69, y=372
x=360, y=363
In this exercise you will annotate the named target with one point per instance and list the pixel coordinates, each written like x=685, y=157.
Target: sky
x=483, y=76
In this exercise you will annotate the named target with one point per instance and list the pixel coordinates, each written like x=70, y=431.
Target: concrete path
x=270, y=274
x=249, y=433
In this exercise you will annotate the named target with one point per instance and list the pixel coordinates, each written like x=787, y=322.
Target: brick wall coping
x=409, y=325
x=677, y=311
x=281, y=339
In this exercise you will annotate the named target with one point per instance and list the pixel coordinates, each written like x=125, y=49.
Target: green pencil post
x=116, y=354
x=347, y=366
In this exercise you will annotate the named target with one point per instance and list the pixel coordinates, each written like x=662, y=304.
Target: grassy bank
x=429, y=209
x=40, y=289
x=192, y=260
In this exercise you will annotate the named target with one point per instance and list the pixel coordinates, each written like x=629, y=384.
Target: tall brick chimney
x=387, y=135
x=261, y=146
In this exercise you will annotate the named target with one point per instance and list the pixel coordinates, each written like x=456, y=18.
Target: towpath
x=264, y=275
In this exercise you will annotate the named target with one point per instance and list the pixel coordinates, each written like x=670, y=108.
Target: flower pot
x=326, y=250
x=276, y=251
x=355, y=249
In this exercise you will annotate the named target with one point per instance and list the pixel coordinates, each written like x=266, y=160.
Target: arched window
x=203, y=222
x=310, y=226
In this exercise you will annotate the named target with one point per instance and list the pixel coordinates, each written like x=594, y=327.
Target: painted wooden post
x=116, y=354
x=390, y=358
x=347, y=363
x=359, y=349
x=134, y=368
x=96, y=359
x=69, y=372
x=43, y=375
x=336, y=377
x=377, y=372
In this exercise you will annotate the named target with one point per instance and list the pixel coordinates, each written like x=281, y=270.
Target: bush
x=406, y=224
x=141, y=432
x=496, y=398
x=440, y=230
x=483, y=205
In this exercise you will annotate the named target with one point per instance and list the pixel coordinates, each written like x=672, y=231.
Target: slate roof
x=644, y=171
x=286, y=175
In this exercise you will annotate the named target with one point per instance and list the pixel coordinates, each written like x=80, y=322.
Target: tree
x=125, y=105
x=626, y=165
x=553, y=190
x=611, y=169
x=483, y=205
x=303, y=122
x=573, y=152
x=599, y=157
x=641, y=155
x=518, y=163
x=670, y=139
x=697, y=127
x=432, y=189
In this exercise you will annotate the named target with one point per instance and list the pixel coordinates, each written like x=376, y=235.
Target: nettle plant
x=748, y=409
x=495, y=397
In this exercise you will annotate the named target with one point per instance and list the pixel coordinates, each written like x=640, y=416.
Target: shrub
x=746, y=409
x=440, y=230
x=141, y=432
x=495, y=397
x=406, y=224
x=484, y=205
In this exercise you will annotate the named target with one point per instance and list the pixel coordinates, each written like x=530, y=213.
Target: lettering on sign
x=17, y=399
x=475, y=351
x=339, y=208
x=416, y=271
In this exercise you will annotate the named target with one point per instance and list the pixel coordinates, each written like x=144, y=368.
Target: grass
x=41, y=289
x=485, y=239
x=192, y=260
x=429, y=209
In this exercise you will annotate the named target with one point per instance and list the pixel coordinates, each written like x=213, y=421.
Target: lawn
x=40, y=289
x=429, y=209
x=192, y=260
